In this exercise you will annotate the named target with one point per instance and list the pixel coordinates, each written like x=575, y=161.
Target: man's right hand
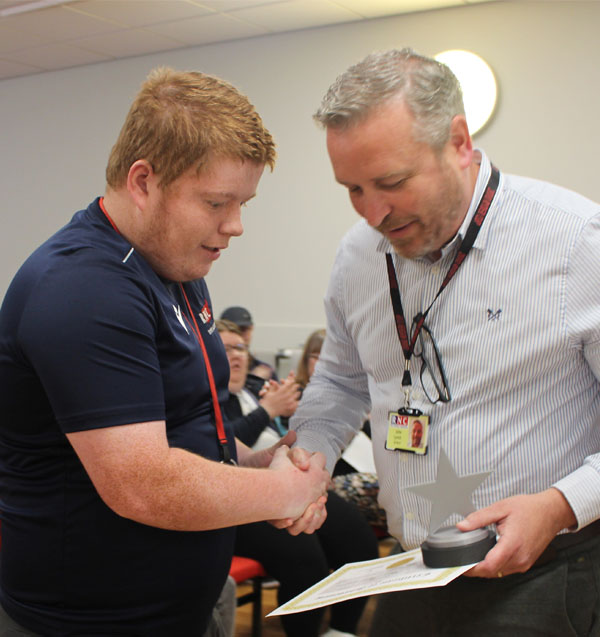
x=312, y=480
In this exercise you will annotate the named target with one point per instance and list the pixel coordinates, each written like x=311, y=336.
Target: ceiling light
x=27, y=7
x=478, y=85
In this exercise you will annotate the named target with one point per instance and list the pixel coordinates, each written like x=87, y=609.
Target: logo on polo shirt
x=205, y=314
x=179, y=316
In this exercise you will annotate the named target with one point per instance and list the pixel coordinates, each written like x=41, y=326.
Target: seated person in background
x=297, y=562
x=309, y=357
x=261, y=424
x=258, y=371
x=361, y=488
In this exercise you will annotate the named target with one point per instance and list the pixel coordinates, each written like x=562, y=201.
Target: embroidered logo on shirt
x=179, y=316
x=205, y=314
x=493, y=316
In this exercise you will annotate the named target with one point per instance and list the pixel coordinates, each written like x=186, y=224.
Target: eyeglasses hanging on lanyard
x=420, y=340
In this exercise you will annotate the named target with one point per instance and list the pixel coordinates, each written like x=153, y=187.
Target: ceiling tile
x=379, y=8
x=205, y=29
x=57, y=56
x=233, y=5
x=297, y=14
x=75, y=32
x=61, y=23
x=15, y=69
x=137, y=13
x=12, y=39
x=128, y=43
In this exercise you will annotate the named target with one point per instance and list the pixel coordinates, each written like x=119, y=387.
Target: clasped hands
x=308, y=469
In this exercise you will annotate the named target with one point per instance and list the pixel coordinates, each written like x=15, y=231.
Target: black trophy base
x=452, y=547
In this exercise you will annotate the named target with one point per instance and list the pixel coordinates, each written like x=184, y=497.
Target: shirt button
x=435, y=269
x=410, y=515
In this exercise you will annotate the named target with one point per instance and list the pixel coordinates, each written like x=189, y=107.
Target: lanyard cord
x=224, y=445
x=464, y=249
x=225, y=455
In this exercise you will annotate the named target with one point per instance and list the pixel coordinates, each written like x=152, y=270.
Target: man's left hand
x=526, y=524
x=263, y=458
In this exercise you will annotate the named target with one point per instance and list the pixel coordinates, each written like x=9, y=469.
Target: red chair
x=244, y=569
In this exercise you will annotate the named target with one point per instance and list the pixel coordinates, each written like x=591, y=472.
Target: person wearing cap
x=469, y=298
x=258, y=371
x=119, y=492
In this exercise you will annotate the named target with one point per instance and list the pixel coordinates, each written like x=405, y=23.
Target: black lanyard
x=408, y=346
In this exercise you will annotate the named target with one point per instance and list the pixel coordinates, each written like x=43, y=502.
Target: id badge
x=407, y=431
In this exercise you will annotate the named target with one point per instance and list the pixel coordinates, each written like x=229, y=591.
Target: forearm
x=140, y=477
x=189, y=493
x=248, y=428
x=327, y=418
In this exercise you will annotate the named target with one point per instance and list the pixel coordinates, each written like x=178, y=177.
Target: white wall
x=57, y=129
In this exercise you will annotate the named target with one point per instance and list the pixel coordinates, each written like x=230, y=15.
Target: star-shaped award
x=452, y=494
x=449, y=493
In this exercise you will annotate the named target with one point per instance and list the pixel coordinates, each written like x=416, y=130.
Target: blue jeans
x=559, y=599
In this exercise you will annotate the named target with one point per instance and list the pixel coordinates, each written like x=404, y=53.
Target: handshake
x=302, y=475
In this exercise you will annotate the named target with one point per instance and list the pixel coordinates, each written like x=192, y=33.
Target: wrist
x=271, y=412
x=563, y=513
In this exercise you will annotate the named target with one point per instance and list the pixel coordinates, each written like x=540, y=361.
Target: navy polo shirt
x=91, y=337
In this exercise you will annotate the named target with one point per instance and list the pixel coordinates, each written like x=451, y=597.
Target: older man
x=469, y=298
x=118, y=488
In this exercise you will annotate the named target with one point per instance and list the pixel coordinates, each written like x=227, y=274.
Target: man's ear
x=460, y=141
x=140, y=180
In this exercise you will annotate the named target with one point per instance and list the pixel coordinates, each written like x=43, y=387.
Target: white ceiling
x=45, y=35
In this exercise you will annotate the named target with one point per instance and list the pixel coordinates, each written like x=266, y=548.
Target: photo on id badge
x=407, y=432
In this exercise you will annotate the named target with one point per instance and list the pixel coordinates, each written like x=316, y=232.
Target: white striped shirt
x=518, y=328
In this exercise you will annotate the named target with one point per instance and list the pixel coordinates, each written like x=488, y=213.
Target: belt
x=567, y=540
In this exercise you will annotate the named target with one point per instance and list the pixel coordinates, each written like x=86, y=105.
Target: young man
x=469, y=298
x=118, y=490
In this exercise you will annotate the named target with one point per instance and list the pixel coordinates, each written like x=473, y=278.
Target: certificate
x=403, y=571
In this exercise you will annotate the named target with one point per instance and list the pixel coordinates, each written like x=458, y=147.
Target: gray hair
x=429, y=89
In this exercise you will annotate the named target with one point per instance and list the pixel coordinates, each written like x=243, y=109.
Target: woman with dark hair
x=309, y=358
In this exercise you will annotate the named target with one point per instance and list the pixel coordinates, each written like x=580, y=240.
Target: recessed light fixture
x=27, y=7
x=478, y=85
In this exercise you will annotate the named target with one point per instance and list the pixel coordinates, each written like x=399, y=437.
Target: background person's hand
x=280, y=398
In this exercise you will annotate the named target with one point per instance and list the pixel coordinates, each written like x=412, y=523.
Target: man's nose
x=375, y=209
x=232, y=226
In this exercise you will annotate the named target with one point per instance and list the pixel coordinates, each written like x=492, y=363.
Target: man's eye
x=394, y=185
x=215, y=204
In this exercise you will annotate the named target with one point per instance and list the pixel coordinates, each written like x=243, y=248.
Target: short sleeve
x=89, y=333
